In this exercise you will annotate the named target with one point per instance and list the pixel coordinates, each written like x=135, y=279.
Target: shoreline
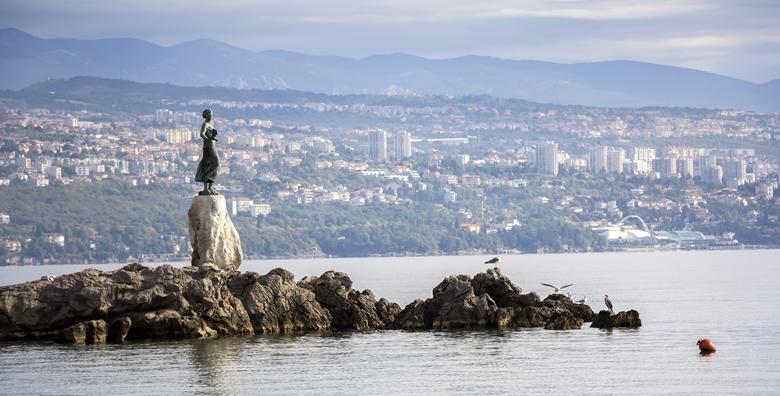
x=178, y=259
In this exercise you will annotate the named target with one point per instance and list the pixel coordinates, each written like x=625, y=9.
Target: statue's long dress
x=208, y=168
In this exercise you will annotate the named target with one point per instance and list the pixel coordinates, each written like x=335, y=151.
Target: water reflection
x=707, y=355
x=215, y=362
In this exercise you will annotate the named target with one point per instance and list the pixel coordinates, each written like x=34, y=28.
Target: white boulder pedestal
x=214, y=239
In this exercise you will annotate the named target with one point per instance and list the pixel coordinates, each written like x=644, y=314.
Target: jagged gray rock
x=349, y=309
x=454, y=305
x=118, y=329
x=563, y=321
x=498, y=287
x=213, y=237
x=490, y=300
x=161, y=302
x=189, y=302
x=387, y=311
x=276, y=304
x=607, y=320
x=92, y=306
x=515, y=317
x=76, y=334
x=411, y=317
x=580, y=311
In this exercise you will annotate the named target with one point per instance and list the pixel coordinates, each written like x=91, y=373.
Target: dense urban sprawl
x=328, y=175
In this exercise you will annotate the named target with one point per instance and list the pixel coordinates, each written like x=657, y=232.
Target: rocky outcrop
x=490, y=300
x=137, y=302
x=214, y=239
x=412, y=317
x=563, y=321
x=608, y=320
x=276, y=304
x=501, y=289
x=579, y=311
x=88, y=332
x=118, y=329
x=455, y=305
x=387, y=311
x=349, y=309
x=516, y=317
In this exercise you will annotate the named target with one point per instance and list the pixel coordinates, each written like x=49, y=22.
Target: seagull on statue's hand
x=557, y=290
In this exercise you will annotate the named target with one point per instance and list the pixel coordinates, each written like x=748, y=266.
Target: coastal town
x=630, y=179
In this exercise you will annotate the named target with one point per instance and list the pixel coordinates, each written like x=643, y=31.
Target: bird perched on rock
x=48, y=278
x=556, y=289
x=608, y=303
x=494, y=260
x=583, y=300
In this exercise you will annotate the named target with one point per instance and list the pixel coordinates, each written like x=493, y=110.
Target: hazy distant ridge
x=26, y=59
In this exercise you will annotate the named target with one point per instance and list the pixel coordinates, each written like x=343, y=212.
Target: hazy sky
x=731, y=37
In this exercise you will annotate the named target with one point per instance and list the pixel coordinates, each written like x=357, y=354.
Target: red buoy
x=706, y=345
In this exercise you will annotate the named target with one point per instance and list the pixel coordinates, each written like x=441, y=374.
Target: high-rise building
x=377, y=145
x=713, y=175
x=177, y=136
x=54, y=172
x=163, y=115
x=185, y=117
x=702, y=163
x=735, y=170
x=685, y=167
x=615, y=160
x=666, y=166
x=638, y=166
x=402, y=146
x=646, y=154
x=547, y=158
x=709, y=161
x=598, y=160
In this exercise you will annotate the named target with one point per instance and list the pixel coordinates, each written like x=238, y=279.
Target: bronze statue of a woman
x=208, y=168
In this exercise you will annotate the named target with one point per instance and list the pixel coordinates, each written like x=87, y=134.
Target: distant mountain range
x=26, y=59
x=113, y=95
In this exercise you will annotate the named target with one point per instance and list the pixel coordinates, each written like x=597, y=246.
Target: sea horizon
x=185, y=259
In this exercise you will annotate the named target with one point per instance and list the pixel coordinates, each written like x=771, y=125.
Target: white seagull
x=583, y=300
x=608, y=303
x=494, y=260
x=557, y=290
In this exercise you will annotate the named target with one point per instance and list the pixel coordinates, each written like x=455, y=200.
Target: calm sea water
x=728, y=296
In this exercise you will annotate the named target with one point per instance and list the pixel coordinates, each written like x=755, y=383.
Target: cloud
x=727, y=36
x=416, y=11
x=378, y=11
x=595, y=10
